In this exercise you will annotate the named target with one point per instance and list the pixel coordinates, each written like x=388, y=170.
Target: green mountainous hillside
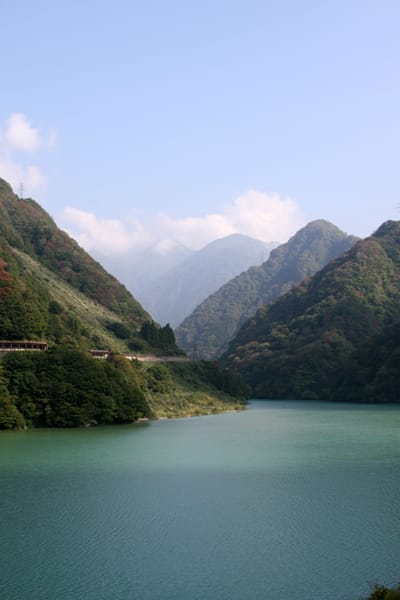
x=336, y=336
x=52, y=290
x=207, y=331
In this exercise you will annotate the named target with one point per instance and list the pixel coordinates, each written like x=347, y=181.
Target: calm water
x=284, y=501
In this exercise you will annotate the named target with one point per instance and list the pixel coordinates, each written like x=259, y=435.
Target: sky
x=133, y=122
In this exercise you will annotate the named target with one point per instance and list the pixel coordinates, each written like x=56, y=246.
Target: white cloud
x=107, y=236
x=263, y=216
x=19, y=137
x=193, y=232
x=15, y=174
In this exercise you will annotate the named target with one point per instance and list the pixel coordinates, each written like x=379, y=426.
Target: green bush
x=68, y=388
x=380, y=592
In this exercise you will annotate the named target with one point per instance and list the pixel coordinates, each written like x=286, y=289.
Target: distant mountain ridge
x=207, y=331
x=139, y=269
x=175, y=294
x=336, y=336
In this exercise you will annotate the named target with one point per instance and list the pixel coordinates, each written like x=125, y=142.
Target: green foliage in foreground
x=194, y=388
x=211, y=373
x=10, y=417
x=67, y=388
x=380, y=592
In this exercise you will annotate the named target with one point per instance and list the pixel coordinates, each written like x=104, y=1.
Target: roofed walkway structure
x=21, y=345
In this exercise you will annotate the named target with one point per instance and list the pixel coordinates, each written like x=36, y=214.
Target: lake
x=296, y=501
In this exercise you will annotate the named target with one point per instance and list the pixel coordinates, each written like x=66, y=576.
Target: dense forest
x=69, y=388
x=335, y=336
x=207, y=331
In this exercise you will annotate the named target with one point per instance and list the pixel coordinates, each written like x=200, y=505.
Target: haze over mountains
x=173, y=295
x=206, y=332
x=141, y=269
x=336, y=336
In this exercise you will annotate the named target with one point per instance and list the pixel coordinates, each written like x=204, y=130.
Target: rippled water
x=286, y=500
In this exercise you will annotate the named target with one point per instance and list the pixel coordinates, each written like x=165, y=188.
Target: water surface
x=285, y=500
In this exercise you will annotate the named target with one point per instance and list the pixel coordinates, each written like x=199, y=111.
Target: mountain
x=51, y=288
x=207, y=331
x=336, y=336
x=174, y=295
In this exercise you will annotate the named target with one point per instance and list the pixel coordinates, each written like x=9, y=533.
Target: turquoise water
x=285, y=500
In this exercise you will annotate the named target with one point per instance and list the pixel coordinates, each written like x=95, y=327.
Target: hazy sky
x=130, y=121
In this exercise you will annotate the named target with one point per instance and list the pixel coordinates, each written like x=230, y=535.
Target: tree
x=10, y=417
x=381, y=592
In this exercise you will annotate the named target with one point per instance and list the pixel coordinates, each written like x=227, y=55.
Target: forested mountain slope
x=207, y=331
x=336, y=336
x=51, y=288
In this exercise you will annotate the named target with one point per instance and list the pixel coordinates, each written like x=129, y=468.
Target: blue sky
x=132, y=121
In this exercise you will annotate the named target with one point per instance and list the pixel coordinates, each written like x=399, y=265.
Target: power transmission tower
x=21, y=191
